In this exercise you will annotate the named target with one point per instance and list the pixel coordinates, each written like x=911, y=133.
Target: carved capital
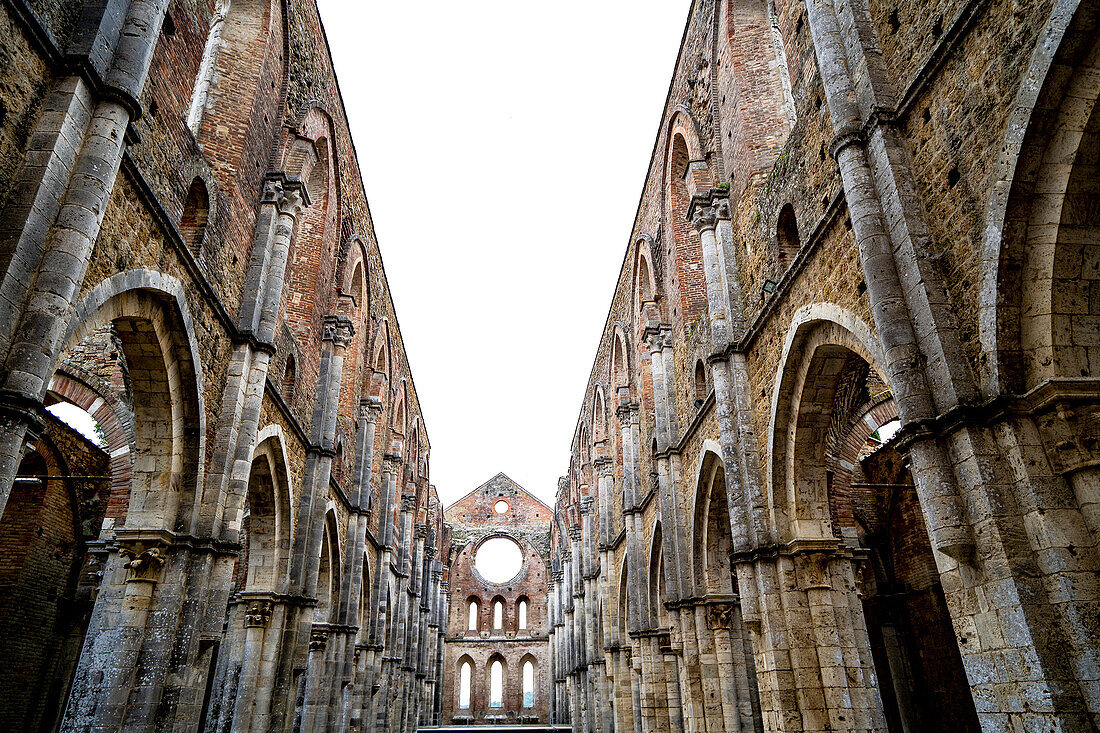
x=575, y=533
x=720, y=615
x=289, y=197
x=603, y=466
x=370, y=409
x=587, y=503
x=811, y=565
x=318, y=638
x=626, y=412
x=408, y=502
x=338, y=330
x=257, y=613
x=654, y=341
x=143, y=559
x=704, y=218
x=420, y=530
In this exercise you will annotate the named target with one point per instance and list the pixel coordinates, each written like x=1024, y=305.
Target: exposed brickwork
x=182, y=214
x=473, y=520
x=866, y=182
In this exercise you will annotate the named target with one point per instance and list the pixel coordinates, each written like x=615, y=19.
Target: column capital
x=257, y=613
x=708, y=208
x=575, y=533
x=603, y=466
x=288, y=195
x=408, y=502
x=625, y=411
x=143, y=559
x=587, y=502
x=654, y=339
x=318, y=638
x=338, y=330
x=420, y=530
x=370, y=409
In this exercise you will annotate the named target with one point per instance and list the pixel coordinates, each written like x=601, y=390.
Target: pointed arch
x=328, y=574
x=820, y=338
x=686, y=174
x=1040, y=215
x=646, y=295
x=267, y=515
x=599, y=414
x=619, y=368
x=148, y=311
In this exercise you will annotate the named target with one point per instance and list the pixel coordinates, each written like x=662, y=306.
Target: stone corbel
x=338, y=329
x=811, y=563
x=257, y=613
x=143, y=559
x=318, y=638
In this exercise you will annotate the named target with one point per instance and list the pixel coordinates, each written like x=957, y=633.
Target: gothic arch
x=619, y=366
x=1037, y=248
x=150, y=316
x=686, y=173
x=599, y=414
x=268, y=516
x=646, y=293
x=380, y=364
x=328, y=574
x=820, y=341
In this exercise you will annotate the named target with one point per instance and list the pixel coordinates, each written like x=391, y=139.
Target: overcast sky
x=504, y=146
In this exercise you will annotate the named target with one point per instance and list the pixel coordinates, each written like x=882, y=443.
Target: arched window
x=196, y=214
x=496, y=685
x=522, y=615
x=700, y=383
x=498, y=615
x=464, y=677
x=786, y=234
x=473, y=616
x=290, y=379
x=528, y=685
x=201, y=95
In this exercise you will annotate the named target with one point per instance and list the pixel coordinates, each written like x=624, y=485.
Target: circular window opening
x=499, y=560
x=501, y=507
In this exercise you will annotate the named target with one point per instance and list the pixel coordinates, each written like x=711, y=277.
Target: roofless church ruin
x=837, y=463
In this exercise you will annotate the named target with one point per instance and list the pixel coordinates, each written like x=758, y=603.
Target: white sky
x=504, y=146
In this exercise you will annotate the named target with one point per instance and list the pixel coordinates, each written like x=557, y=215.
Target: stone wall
x=186, y=252
x=474, y=519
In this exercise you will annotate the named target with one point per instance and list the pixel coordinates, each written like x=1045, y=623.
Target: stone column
x=257, y=614
x=305, y=567
x=63, y=220
x=381, y=638
x=139, y=565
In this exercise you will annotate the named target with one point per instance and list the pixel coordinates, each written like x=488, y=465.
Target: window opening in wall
x=80, y=421
x=473, y=616
x=700, y=384
x=786, y=233
x=290, y=379
x=496, y=685
x=522, y=615
x=464, y=686
x=196, y=215
x=528, y=685
x=501, y=507
x=499, y=560
x=498, y=615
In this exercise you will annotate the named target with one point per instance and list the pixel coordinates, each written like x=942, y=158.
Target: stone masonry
x=187, y=255
x=836, y=466
x=497, y=508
